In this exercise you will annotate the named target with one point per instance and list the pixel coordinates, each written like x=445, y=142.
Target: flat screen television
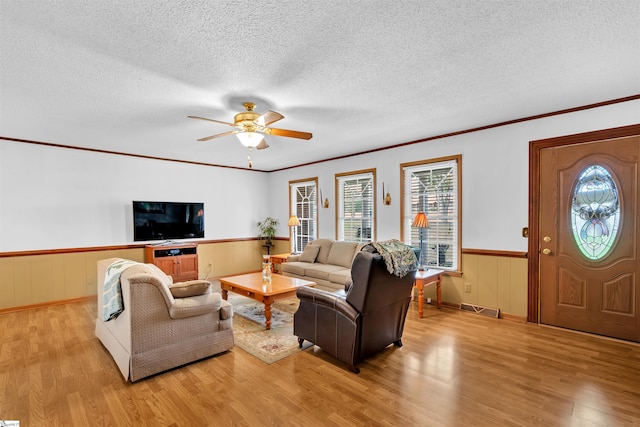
x=167, y=220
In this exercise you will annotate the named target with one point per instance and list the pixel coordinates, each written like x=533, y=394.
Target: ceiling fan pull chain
x=249, y=158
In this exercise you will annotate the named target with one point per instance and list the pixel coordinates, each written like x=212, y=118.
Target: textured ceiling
x=123, y=76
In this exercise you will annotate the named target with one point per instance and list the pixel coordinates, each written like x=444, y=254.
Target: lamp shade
x=294, y=221
x=250, y=139
x=420, y=220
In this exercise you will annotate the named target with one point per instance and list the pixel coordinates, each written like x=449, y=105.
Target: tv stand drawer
x=160, y=253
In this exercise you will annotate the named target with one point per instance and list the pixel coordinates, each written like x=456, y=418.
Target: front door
x=589, y=229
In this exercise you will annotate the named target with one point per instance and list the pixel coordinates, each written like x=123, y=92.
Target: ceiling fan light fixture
x=250, y=139
x=250, y=127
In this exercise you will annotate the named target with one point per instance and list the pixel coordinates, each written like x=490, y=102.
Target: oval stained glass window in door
x=595, y=212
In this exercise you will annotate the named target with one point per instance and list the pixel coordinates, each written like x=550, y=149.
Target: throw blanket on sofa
x=112, y=304
x=398, y=257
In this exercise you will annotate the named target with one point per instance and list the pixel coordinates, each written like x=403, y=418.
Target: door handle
x=546, y=251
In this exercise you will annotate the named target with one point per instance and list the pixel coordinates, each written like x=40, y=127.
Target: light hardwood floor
x=455, y=369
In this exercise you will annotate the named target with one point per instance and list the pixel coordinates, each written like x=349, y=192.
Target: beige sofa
x=324, y=261
x=156, y=330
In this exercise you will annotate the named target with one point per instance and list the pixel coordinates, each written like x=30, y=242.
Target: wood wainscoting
x=488, y=278
x=34, y=279
x=496, y=279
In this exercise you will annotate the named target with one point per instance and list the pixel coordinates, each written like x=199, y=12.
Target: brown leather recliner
x=367, y=319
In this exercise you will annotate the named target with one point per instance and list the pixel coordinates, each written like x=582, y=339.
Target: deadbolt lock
x=547, y=239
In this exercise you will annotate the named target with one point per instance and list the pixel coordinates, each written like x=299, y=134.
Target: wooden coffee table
x=251, y=285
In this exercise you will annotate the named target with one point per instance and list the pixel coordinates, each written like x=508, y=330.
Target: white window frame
x=365, y=220
x=303, y=202
x=441, y=240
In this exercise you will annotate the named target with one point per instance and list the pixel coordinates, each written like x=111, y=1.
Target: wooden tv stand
x=180, y=261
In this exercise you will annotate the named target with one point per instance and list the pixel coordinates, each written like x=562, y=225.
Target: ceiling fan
x=251, y=126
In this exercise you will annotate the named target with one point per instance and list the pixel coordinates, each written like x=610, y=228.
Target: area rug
x=255, y=313
x=267, y=345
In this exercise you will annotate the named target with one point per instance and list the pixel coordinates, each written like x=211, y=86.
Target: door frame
x=535, y=147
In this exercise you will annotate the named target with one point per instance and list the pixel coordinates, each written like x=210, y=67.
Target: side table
x=278, y=259
x=424, y=279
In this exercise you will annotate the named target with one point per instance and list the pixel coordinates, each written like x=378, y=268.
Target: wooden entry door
x=582, y=290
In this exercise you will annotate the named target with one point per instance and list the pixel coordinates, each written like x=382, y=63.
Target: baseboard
x=513, y=317
x=214, y=278
x=449, y=304
x=46, y=304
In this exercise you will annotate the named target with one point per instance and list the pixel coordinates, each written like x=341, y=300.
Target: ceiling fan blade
x=288, y=133
x=263, y=144
x=207, y=138
x=211, y=120
x=269, y=117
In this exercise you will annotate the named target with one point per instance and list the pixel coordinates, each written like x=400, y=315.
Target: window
x=304, y=203
x=356, y=206
x=595, y=212
x=433, y=187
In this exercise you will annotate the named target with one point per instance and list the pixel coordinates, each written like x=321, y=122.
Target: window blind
x=433, y=189
x=356, y=207
x=304, y=206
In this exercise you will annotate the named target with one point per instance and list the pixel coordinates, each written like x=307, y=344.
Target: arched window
x=304, y=204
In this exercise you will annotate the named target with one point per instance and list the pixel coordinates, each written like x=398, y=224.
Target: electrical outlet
x=467, y=287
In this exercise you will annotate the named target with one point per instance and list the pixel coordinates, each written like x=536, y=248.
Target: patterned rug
x=250, y=333
x=254, y=311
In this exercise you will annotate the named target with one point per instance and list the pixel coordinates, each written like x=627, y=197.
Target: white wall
x=495, y=165
x=52, y=198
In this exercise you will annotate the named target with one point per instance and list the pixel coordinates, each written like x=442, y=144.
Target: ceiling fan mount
x=251, y=126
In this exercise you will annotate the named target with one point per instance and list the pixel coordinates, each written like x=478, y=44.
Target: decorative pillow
x=310, y=253
x=341, y=254
x=190, y=288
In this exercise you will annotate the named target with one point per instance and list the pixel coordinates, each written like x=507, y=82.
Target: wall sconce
x=387, y=196
x=325, y=202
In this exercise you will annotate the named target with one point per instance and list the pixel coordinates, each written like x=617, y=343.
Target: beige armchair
x=157, y=331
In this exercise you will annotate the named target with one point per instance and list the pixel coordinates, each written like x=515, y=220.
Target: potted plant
x=267, y=230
